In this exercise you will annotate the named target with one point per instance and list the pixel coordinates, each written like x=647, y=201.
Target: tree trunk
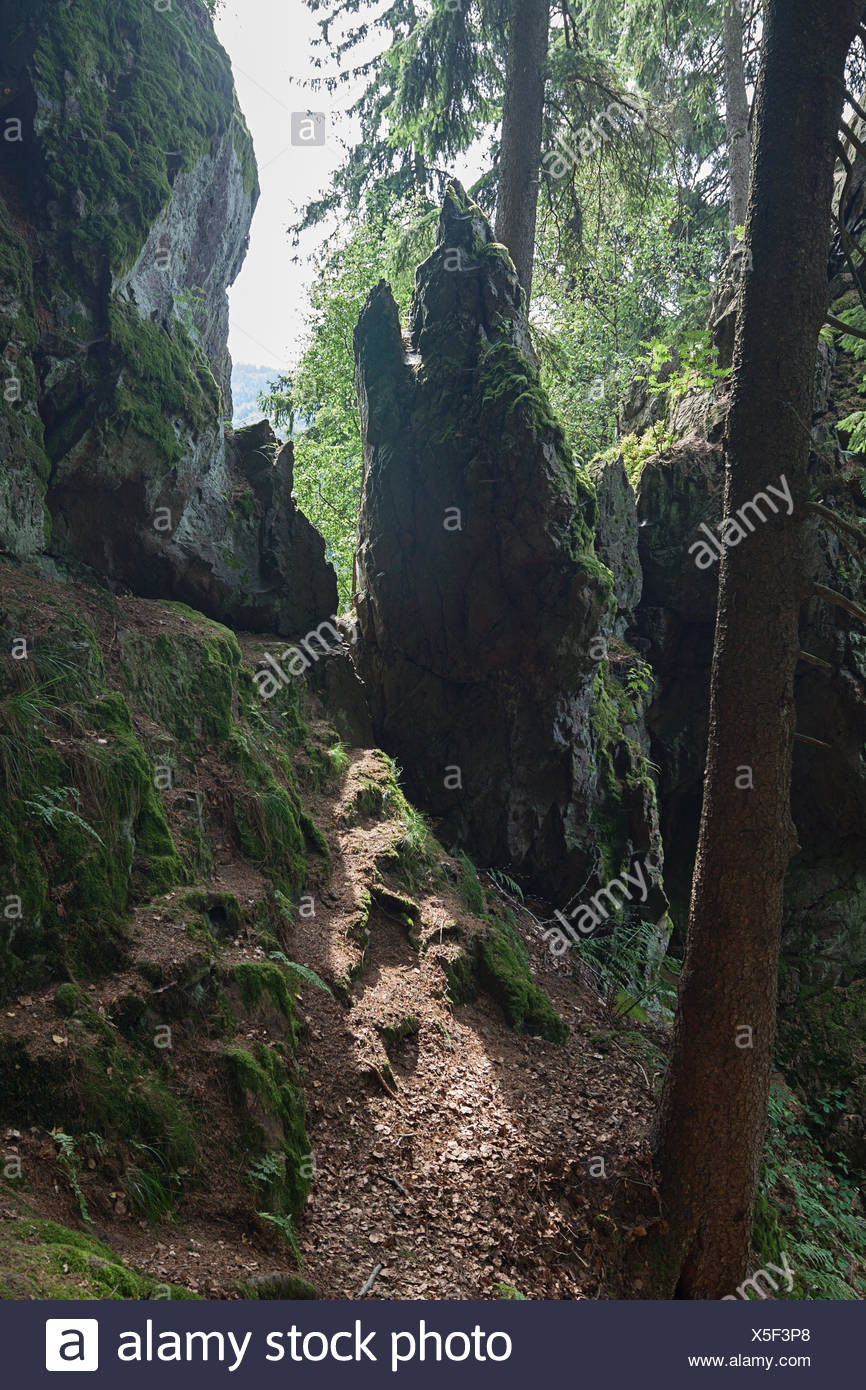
x=419, y=170
x=520, y=143
x=736, y=112
x=710, y=1128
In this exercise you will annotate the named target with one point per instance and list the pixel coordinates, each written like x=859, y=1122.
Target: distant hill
x=247, y=381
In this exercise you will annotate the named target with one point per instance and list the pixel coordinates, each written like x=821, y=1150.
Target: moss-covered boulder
x=273, y=1137
x=83, y=828
x=128, y=186
x=41, y=1259
x=504, y=973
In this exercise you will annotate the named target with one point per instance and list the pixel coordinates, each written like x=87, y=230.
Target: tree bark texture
x=710, y=1128
x=736, y=112
x=520, y=142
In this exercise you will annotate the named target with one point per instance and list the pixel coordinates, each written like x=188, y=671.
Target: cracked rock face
x=675, y=620
x=256, y=563
x=478, y=588
x=125, y=209
x=196, y=246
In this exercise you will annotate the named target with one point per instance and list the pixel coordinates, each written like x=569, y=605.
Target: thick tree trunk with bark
x=520, y=144
x=710, y=1128
x=736, y=112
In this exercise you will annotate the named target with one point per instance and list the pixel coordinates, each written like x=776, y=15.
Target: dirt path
x=449, y=1154
x=471, y=1168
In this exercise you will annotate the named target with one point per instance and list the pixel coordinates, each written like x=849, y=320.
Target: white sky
x=270, y=45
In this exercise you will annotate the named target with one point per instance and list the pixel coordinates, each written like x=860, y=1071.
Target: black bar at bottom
x=503, y=1345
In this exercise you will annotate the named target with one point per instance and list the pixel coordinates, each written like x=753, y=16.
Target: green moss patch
x=314, y=836
x=80, y=818
x=41, y=1260
x=21, y=430
x=257, y=979
x=503, y=967
x=101, y=1085
x=104, y=74
x=470, y=888
x=155, y=865
x=508, y=384
x=222, y=911
x=185, y=681
x=268, y=817
x=271, y=1109
x=159, y=376
x=624, y=776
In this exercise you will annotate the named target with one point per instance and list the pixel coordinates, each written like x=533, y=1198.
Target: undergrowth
x=809, y=1207
x=630, y=970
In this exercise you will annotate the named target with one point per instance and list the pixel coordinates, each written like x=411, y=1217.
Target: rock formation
x=483, y=609
x=678, y=492
x=127, y=186
x=823, y=1000
x=256, y=562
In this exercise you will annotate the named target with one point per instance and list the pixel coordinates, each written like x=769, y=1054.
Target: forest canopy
x=632, y=205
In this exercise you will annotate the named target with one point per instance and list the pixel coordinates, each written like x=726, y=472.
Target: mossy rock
x=400, y=908
x=471, y=891
x=358, y=929
x=461, y=973
x=42, y=1260
x=268, y=817
x=155, y=865
x=281, y=717
x=271, y=1110
x=68, y=999
x=314, y=837
x=80, y=817
x=370, y=801
x=97, y=1084
x=503, y=966
x=222, y=911
x=185, y=681
x=257, y=980
x=626, y=785
x=159, y=375
x=104, y=146
x=129, y=1013
x=406, y=1027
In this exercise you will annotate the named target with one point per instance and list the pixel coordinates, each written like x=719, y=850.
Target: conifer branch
x=815, y=661
x=845, y=529
x=846, y=604
x=812, y=742
x=841, y=327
